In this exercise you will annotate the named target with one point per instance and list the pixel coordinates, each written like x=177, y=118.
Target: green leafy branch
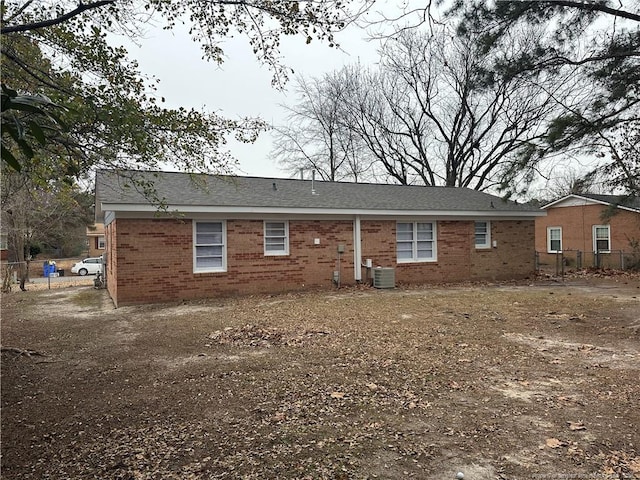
x=26, y=119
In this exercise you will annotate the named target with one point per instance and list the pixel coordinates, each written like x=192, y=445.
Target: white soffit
x=293, y=212
x=580, y=201
x=573, y=201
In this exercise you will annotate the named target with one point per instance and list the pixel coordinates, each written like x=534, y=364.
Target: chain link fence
x=571, y=260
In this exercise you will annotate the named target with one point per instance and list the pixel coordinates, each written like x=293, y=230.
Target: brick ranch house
x=579, y=225
x=243, y=235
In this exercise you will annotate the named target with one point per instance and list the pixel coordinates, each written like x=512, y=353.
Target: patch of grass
x=87, y=298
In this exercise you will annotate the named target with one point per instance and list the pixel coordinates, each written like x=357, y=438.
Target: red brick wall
x=453, y=259
x=378, y=241
x=111, y=266
x=513, y=255
x=577, y=227
x=152, y=260
x=249, y=270
x=458, y=259
x=164, y=248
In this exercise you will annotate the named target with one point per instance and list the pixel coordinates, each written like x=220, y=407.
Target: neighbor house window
x=100, y=243
x=276, y=238
x=601, y=238
x=416, y=242
x=209, y=247
x=554, y=239
x=483, y=234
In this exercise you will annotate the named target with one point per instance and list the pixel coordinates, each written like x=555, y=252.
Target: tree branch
x=25, y=27
x=20, y=10
x=597, y=7
x=560, y=60
x=36, y=73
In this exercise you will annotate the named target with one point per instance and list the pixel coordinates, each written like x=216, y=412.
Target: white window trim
x=487, y=244
x=276, y=253
x=102, y=244
x=549, y=250
x=414, y=259
x=595, y=240
x=224, y=248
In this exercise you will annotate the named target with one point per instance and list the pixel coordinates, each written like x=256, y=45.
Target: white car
x=88, y=266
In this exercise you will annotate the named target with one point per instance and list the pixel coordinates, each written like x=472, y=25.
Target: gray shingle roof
x=185, y=190
x=630, y=202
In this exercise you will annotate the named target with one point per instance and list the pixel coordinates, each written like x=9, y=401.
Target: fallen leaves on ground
x=252, y=335
x=354, y=384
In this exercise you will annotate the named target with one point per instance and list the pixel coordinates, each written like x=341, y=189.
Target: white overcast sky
x=241, y=86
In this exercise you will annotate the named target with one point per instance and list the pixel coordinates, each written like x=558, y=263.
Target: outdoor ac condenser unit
x=384, y=277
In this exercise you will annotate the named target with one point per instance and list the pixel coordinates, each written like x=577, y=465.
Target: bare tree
x=316, y=136
x=381, y=114
x=433, y=114
x=569, y=180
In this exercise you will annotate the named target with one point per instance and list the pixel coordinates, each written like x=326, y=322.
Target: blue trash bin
x=48, y=268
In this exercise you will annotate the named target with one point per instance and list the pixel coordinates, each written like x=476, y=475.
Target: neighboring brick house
x=242, y=235
x=579, y=225
x=95, y=239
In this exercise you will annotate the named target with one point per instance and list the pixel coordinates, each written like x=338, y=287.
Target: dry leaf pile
x=255, y=336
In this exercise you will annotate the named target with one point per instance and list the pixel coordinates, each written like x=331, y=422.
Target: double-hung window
x=100, y=244
x=276, y=238
x=601, y=238
x=483, y=234
x=554, y=239
x=209, y=247
x=416, y=242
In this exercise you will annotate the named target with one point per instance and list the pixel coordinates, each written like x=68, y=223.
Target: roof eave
x=551, y=204
x=187, y=209
x=590, y=200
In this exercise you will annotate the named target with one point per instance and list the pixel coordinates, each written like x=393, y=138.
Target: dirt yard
x=499, y=381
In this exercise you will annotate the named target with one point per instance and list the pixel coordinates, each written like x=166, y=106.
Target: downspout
x=357, y=250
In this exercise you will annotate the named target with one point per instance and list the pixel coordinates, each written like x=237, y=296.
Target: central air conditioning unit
x=384, y=277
